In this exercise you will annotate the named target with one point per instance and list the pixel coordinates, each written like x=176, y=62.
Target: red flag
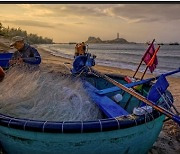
x=153, y=62
x=149, y=55
x=147, y=58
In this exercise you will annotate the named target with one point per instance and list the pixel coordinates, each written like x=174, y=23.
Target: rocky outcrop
x=92, y=39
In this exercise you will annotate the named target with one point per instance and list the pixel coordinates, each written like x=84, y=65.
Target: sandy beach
x=169, y=138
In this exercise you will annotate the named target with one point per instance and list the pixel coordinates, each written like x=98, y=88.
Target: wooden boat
x=2, y=74
x=127, y=126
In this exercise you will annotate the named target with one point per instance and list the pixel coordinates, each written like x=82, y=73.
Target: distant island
x=176, y=43
x=92, y=39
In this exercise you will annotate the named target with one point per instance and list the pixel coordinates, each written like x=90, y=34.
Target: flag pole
x=143, y=58
x=138, y=68
x=144, y=73
x=150, y=62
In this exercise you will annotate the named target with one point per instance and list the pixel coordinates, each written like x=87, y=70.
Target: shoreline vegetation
x=169, y=138
x=29, y=38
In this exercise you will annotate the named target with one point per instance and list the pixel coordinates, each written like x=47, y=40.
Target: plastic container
x=4, y=59
x=118, y=97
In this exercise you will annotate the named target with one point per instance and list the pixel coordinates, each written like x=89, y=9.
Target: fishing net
x=29, y=92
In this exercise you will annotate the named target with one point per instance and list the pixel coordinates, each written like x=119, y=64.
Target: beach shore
x=169, y=138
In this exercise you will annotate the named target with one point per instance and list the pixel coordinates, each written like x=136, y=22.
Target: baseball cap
x=16, y=39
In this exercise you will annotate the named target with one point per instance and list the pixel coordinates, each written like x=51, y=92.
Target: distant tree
x=30, y=38
x=0, y=28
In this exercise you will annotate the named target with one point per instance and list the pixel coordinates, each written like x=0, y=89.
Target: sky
x=76, y=22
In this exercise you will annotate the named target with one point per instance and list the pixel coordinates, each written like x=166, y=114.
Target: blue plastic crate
x=4, y=59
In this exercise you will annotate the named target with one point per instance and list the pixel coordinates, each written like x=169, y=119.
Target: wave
x=123, y=59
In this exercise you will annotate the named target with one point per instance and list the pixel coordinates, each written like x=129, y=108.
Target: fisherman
x=25, y=53
x=80, y=49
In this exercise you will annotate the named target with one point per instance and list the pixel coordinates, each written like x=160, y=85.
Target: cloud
x=33, y=10
x=79, y=23
x=63, y=10
x=30, y=23
x=126, y=12
x=147, y=12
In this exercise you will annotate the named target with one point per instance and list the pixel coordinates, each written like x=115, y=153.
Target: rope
x=146, y=115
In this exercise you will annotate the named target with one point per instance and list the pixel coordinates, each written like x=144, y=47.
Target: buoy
x=118, y=97
x=2, y=74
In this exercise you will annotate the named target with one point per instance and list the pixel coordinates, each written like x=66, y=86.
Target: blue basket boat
x=127, y=126
x=119, y=131
x=4, y=59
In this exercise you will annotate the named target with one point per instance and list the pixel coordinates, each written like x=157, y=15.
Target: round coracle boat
x=121, y=130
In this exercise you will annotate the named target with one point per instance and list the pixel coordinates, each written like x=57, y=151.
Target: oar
x=132, y=84
x=152, y=79
x=174, y=117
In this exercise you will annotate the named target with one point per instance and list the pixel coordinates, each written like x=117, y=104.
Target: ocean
x=126, y=56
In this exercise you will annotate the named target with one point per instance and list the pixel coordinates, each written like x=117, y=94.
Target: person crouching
x=25, y=53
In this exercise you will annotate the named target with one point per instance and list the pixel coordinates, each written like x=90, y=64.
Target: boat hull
x=2, y=74
x=136, y=139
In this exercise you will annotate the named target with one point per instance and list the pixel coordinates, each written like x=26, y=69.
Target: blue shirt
x=29, y=55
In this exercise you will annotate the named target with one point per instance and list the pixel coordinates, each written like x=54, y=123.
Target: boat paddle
x=172, y=116
x=133, y=84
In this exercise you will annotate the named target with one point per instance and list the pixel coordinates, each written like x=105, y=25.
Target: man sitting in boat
x=25, y=53
x=80, y=49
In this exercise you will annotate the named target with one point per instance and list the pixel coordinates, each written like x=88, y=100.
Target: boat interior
x=104, y=94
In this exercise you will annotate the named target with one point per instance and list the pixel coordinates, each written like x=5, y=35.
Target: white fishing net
x=28, y=92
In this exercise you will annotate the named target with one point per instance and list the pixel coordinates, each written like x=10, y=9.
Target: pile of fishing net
x=29, y=92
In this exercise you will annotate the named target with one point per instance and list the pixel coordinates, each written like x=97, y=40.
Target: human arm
x=16, y=58
x=34, y=57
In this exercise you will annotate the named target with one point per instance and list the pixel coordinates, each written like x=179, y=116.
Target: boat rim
x=99, y=125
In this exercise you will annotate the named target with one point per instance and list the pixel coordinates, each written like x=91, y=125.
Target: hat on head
x=16, y=39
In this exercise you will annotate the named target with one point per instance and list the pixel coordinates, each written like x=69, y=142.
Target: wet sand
x=168, y=141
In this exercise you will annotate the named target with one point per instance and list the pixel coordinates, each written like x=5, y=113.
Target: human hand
x=12, y=62
x=19, y=61
x=16, y=61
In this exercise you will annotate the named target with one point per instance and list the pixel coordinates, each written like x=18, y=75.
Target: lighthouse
x=117, y=35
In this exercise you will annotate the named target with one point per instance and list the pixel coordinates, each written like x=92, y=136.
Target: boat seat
x=107, y=90
x=107, y=105
x=115, y=88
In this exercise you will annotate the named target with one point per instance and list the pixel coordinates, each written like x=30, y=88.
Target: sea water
x=127, y=56
x=29, y=92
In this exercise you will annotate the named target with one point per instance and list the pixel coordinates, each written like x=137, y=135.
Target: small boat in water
x=128, y=124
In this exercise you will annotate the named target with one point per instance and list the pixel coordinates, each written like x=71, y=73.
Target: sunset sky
x=76, y=22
